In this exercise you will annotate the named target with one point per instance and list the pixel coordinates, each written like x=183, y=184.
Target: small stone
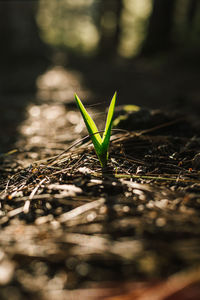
x=6, y=272
x=160, y=222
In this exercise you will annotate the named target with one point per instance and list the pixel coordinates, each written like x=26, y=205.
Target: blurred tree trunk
x=158, y=37
x=191, y=11
x=18, y=29
x=21, y=46
x=109, y=27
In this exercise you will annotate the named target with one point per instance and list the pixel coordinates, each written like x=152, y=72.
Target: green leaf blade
x=107, y=131
x=109, y=121
x=91, y=126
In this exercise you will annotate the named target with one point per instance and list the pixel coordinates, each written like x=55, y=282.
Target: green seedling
x=101, y=144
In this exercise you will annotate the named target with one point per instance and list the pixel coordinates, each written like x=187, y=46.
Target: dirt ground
x=71, y=231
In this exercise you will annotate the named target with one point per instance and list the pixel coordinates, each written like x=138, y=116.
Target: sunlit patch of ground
x=52, y=122
x=49, y=127
x=59, y=84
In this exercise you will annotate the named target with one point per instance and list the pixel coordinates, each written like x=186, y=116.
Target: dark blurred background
x=147, y=50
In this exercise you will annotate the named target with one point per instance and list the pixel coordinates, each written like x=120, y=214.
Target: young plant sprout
x=101, y=144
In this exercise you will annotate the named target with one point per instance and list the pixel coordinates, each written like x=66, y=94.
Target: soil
x=70, y=230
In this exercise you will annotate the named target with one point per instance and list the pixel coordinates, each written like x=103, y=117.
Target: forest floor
x=71, y=231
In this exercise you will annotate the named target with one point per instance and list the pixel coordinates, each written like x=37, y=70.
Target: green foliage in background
x=76, y=24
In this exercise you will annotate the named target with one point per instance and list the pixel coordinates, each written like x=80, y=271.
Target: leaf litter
x=66, y=225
